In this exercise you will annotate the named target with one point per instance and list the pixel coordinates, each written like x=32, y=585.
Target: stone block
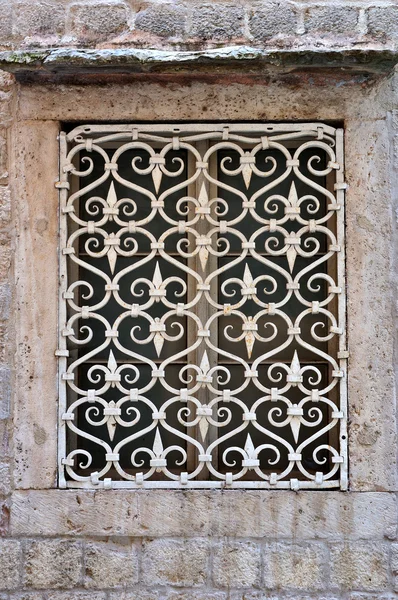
x=110, y=565
x=34, y=401
x=332, y=20
x=53, y=564
x=371, y=384
x=174, y=513
x=10, y=564
x=383, y=22
x=180, y=563
x=3, y=156
x=40, y=18
x=4, y=518
x=5, y=206
x=210, y=595
x=362, y=596
x=279, y=596
x=5, y=258
x=6, y=108
x=26, y=596
x=293, y=567
x=167, y=20
x=217, y=21
x=7, y=80
x=5, y=392
x=5, y=298
x=5, y=479
x=4, y=347
x=53, y=512
x=79, y=595
x=237, y=564
x=360, y=566
x=272, y=19
x=394, y=559
x=329, y=515
x=98, y=21
x=5, y=22
x=5, y=437
x=137, y=594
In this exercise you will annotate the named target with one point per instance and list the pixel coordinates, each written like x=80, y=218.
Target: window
x=202, y=306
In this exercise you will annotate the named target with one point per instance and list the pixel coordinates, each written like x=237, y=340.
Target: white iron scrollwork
x=202, y=307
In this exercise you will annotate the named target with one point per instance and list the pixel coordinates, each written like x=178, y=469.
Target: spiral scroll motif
x=202, y=307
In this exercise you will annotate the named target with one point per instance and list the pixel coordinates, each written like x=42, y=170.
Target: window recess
x=202, y=307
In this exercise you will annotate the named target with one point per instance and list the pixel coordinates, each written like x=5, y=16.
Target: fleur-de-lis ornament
x=157, y=281
x=204, y=378
x=203, y=199
x=295, y=376
x=157, y=447
x=112, y=376
x=251, y=461
x=111, y=200
x=249, y=289
x=204, y=369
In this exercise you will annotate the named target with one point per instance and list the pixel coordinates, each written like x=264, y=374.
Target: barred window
x=202, y=306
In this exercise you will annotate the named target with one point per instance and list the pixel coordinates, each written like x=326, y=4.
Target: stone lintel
x=56, y=63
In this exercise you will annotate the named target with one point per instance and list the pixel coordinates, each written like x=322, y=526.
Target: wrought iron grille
x=202, y=306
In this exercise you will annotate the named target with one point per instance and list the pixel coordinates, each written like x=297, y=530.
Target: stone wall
x=194, y=24
x=7, y=97
x=196, y=545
